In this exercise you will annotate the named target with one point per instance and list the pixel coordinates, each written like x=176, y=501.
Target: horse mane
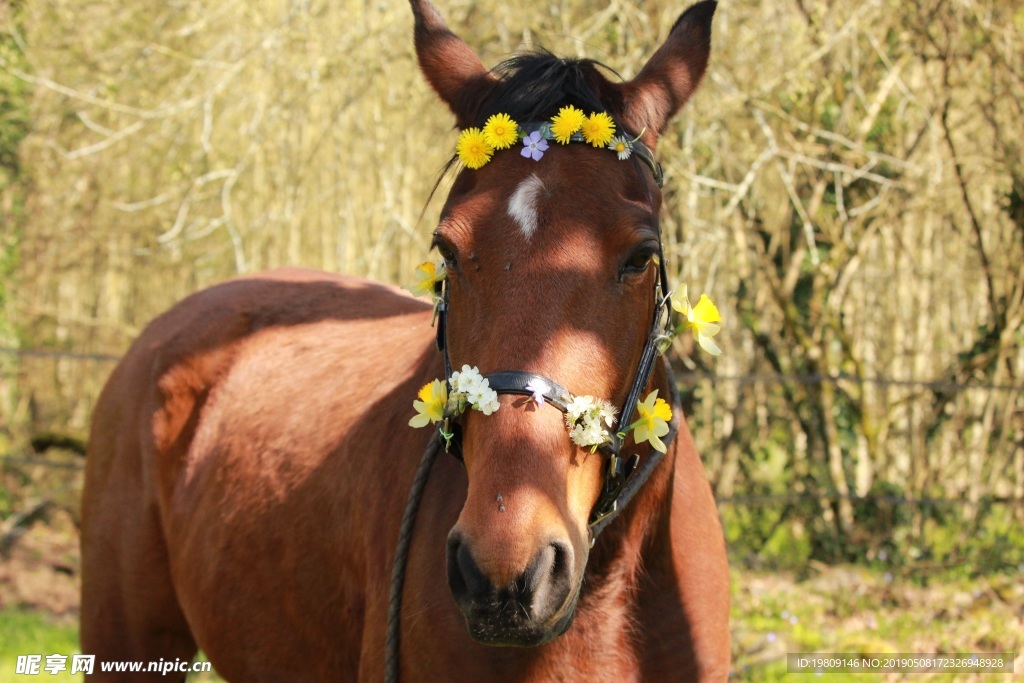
x=534, y=85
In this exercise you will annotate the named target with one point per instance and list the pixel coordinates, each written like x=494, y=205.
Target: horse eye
x=638, y=261
x=446, y=253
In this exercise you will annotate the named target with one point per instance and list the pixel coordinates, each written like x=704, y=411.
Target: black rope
x=402, y=556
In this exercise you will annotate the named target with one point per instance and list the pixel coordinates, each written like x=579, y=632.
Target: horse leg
x=129, y=611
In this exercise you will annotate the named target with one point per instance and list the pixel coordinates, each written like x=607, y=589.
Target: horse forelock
x=533, y=86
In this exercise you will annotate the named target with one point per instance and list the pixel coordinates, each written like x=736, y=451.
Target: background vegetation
x=848, y=185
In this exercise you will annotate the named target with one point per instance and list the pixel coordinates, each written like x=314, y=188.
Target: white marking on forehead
x=522, y=205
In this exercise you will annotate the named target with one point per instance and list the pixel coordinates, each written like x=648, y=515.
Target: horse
x=249, y=457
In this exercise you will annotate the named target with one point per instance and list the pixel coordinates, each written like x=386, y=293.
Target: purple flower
x=534, y=146
x=535, y=385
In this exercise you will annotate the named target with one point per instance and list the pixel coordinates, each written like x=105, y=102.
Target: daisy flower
x=622, y=146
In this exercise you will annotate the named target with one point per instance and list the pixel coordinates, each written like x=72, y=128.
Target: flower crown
x=476, y=146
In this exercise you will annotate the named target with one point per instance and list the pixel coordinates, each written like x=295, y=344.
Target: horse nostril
x=539, y=594
x=548, y=579
x=563, y=559
x=465, y=579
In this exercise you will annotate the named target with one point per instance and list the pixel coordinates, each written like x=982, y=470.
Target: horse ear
x=451, y=66
x=673, y=73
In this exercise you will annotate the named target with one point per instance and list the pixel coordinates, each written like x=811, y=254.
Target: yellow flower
x=703, y=319
x=501, y=132
x=566, y=122
x=598, y=129
x=428, y=274
x=655, y=415
x=430, y=408
x=473, y=149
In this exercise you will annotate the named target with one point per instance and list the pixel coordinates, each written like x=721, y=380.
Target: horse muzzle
x=532, y=609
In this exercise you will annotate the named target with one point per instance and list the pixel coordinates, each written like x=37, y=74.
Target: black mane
x=533, y=86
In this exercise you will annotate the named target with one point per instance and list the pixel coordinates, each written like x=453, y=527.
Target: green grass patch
x=31, y=633
x=854, y=609
x=24, y=632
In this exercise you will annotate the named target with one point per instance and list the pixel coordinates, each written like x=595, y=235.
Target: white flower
x=466, y=381
x=595, y=434
x=538, y=388
x=579, y=406
x=622, y=146
x=488, y=402
x=606, y=412
x=578, y=435
x=469, y=387
x=586, y=419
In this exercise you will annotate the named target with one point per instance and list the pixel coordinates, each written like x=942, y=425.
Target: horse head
x=552, y=258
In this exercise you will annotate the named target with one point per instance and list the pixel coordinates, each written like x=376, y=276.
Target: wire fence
x=944, y=386
x=689, y=375
x=30, y=459
x=27, y=460
x=56, y=353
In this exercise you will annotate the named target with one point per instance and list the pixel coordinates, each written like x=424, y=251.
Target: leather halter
x=622, y=478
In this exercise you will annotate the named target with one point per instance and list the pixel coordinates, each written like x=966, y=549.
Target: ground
x=848, y=609
x=40, y=571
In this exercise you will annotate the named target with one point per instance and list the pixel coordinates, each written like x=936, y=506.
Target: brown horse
x=251, y=455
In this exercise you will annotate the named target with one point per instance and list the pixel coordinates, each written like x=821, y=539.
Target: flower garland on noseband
x=476, y=146
x=589, y=419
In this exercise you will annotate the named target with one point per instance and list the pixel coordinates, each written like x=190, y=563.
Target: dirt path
x=40, y=570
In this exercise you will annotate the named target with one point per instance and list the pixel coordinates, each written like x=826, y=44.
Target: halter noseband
x=622, y=478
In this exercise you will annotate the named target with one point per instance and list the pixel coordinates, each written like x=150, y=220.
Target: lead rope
x=398, y=568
